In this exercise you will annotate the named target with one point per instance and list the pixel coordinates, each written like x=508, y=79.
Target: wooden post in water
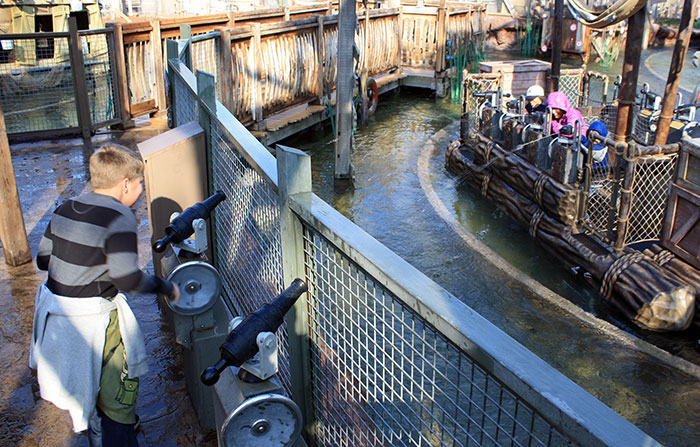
x=344, y=87
x=630, y=73
x=226, y=69
x=685, y=31
x=13, y=234
x=557, y=23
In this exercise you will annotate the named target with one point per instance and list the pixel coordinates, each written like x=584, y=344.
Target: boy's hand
x=174, y=297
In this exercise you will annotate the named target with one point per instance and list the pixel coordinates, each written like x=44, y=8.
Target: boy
x=86, y=345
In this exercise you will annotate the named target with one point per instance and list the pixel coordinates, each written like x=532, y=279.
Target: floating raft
x=654, y=289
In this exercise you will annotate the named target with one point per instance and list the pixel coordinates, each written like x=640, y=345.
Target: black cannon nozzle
x=181, y=227
x=241, y=342
x=211, y=375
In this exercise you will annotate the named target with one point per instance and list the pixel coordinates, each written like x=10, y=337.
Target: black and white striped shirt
x=90, y=249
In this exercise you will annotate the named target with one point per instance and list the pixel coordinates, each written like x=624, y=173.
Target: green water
x=387, y=201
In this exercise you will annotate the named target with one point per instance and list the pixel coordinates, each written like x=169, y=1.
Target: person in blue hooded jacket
x=599, y=151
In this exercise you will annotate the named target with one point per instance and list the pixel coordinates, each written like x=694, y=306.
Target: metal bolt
x=260, y=427
x=192, y=287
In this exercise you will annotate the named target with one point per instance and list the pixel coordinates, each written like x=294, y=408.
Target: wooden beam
x=13, y=234
x=226, y=69
x=685, y=31
x=344, y=87
x=79, y=81
x=121, y=81
x=157, y=42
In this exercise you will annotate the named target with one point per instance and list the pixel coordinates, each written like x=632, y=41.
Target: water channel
x=391, y=202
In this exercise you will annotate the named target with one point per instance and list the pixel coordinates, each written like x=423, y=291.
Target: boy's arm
x=45, y=249
x=122, y=261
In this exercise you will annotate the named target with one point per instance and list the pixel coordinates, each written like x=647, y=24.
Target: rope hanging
x=615, y=269
x=535, y=222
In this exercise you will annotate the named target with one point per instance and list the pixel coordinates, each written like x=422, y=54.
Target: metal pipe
x=680, y=50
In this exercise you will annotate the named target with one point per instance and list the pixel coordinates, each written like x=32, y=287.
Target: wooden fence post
x=256, y=91
x=225, y=69
x=157, y=43
x=121, y=80
x=441, y=49
x=321, y=54
x=13, y=234
x=171, y=52
x=79, y=81
x=399, y=37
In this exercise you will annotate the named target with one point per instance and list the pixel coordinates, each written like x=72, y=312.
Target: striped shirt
x=90, y=249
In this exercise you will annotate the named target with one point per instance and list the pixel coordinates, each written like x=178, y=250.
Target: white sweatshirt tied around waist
x=68, y=339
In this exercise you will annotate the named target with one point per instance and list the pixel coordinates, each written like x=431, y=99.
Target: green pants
x=117, y=396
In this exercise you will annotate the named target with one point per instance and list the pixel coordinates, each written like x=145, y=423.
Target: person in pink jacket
x=563, y=114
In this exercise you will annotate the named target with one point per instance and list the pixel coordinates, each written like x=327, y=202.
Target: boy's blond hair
x=112, y=163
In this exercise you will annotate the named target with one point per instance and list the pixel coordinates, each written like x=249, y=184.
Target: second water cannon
x=246, y=338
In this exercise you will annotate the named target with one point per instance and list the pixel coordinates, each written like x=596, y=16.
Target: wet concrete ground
x=48, y=173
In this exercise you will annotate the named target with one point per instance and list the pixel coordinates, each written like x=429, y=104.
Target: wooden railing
x=143, y=75
x=263, y=65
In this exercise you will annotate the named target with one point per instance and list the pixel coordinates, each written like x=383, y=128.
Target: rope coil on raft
x=539, y=188
x=616, y=268
x=535, y=222
x=663, y=257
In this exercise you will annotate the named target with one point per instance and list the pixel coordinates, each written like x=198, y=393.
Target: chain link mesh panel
x=247, y=234
x=100, y=80
x=644, y=130
x=598, y=213
x=652, y=178
x=37, y=92
x=204, y=58
x=596, y=90
x=570, y=82
x=186, y=103
x=474, y=84
x=382, y=375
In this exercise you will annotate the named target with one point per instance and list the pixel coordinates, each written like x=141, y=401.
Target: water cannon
x=255, y=333
x=182, y=225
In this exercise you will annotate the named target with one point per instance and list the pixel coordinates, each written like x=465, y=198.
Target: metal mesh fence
x=37, y=92
x=644, y=130
x=570, y=82
x=100, y=79
x=383, y=376
x=596, y=90
x=650, y=192
x=598, y=215
x=247, y=231
x=186, y=103
x=204, y=57
x=474, y=86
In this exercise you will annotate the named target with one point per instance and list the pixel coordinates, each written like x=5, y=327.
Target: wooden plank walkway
x=303, y=116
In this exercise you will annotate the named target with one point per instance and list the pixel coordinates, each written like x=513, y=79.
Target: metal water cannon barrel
x=181, y=227
x=241, y=342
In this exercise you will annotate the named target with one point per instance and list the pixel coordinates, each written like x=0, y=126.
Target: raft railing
x=621, y=204
x=376, y=353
